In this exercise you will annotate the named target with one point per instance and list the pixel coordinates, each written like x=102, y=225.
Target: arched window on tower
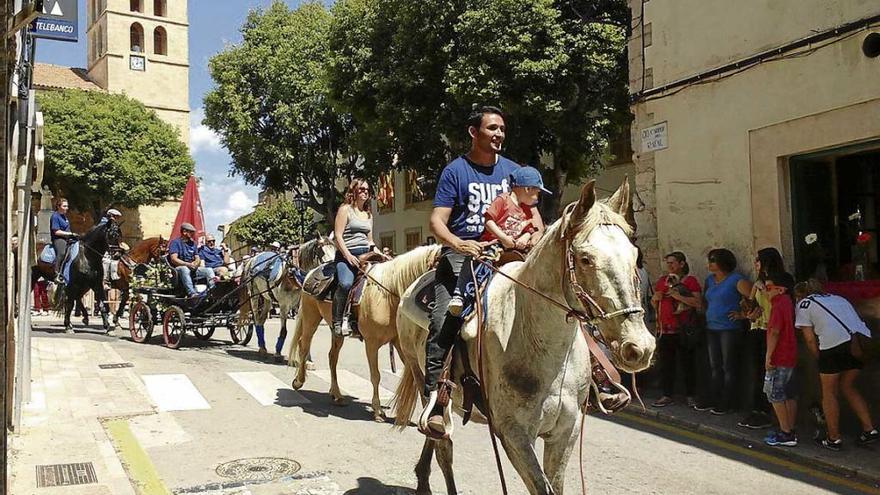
x=160, y=41
x=137, y=38
x=159, y=8
x=136, y=6
x=99, y=42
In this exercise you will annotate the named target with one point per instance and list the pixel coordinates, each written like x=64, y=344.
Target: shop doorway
x=835, y=208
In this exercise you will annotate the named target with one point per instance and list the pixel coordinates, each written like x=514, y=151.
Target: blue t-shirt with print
x=185, y=251
x=469, y=189
x=721, y=299
x=58, y=222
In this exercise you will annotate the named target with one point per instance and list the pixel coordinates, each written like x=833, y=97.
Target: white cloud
x=201, y=138
x=239, y=203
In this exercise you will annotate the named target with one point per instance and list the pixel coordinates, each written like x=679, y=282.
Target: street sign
x=59, y=21
x=655, y=138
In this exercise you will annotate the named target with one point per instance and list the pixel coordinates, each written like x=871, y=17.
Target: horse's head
x=603, y=260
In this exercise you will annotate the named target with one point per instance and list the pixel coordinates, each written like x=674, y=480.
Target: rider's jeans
x=344, y=279
x=443, y=327
x=185, y=275
x=60, y=246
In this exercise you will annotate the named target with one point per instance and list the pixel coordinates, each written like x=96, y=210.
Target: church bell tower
x=140, y=48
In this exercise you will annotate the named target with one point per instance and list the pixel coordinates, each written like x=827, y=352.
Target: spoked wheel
x=239, y=333
x=204, y=333
x=173, y=327
x=140, y=322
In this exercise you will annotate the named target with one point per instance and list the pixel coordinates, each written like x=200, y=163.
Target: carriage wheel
x=173, y=327
x=239, y=333
x=140, y=322
x=204, y=333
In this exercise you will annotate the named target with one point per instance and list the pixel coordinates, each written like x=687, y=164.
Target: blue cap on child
x=528, y=177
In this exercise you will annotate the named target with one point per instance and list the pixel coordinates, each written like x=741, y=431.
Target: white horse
x=536, y=366
x=376, y=317
x=283, y=288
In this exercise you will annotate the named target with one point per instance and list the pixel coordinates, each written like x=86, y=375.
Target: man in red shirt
x=781, y=359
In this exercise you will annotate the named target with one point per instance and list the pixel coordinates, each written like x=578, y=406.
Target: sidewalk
x=63, y=424
x=852, y=462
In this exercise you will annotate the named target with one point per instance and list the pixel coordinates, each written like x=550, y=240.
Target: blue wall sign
x=59, y=21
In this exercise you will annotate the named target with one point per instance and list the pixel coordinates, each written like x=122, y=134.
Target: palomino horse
x=87, y=272
x=284, y=289
x=536, y=365
x=149, y=250
x=376, y=317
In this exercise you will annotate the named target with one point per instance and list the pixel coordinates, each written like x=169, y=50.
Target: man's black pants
x=443, y=327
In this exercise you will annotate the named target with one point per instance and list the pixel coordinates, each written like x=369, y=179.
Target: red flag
x=190, y=211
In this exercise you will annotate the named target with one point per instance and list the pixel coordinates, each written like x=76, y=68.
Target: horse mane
x=92, y=233
x=404, y=269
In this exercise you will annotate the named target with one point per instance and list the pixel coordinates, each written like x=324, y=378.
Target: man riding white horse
x=466, y=188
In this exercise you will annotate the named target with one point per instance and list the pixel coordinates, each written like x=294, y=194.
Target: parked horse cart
x=200, y=315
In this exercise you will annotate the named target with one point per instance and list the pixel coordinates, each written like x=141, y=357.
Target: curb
x=868, y=477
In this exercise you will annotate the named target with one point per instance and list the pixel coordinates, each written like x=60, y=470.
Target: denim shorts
x=779, y=384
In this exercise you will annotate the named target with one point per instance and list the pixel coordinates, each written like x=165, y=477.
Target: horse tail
x=59, y=300
x=294, y=344
x=405, y=397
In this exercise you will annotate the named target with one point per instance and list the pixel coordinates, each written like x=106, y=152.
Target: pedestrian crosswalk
x=177, y=392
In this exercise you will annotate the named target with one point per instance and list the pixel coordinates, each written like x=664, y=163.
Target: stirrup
x=609, y=398
x=426, y=414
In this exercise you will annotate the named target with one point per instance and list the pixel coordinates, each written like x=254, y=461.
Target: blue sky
x=213, y=24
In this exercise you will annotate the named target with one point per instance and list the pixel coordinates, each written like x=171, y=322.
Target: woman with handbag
x=676, y=301
x=353, y=235
x=830, y=326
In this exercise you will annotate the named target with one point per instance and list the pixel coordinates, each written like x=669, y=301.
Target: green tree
x=108, y=149
x=409, y=72
x=270, y=105
x=277, y=221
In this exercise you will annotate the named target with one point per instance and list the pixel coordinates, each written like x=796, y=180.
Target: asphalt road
x=249, y=411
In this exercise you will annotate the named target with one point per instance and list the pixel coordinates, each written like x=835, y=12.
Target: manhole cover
x=81, y=473
x=258, y=469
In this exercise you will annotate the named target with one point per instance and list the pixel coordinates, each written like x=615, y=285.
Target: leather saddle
x=319, y=282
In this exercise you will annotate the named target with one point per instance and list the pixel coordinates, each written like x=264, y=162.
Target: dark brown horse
x=148, y=251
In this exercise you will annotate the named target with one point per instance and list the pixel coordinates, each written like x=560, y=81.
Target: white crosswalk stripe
x=267, y=389
x=174, y=393
x=354, y=385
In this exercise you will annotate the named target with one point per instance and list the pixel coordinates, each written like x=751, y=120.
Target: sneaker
x=755, y=421
x=662, y=401
x=718, y=411
x=770, y=434
x=782, y=439
x=702, y=407
x=834, y=445
x=869, y=437
x=456, y=305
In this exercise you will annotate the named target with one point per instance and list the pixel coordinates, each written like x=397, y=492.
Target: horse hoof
x=380, y=419
x=69, y=330
x=297, y=384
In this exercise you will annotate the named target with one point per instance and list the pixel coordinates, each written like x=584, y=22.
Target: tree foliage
x=270, y=104
x=409, y=72
x=277, y=221
x=108, y=149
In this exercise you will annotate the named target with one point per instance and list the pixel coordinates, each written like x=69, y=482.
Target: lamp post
x=300, y=202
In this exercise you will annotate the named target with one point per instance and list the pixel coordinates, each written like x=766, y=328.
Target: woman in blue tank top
x=723, y=290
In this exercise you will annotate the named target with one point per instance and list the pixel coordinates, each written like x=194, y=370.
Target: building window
x=419, y=187
x=137, y=38
x=413, y=238
x=160, y=41
x=136, y=6
x=386, y=240
x=385, y=193
x=159, y=8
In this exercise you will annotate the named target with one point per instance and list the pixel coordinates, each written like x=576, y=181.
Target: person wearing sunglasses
x=353, y=235
x=215, y=258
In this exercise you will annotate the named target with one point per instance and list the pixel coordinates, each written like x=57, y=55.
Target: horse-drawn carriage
x=167, y=303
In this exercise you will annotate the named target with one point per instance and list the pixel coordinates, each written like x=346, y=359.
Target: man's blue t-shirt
x=213, y=256
x=469, y=189
x=185, y=251
x=58, y=222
